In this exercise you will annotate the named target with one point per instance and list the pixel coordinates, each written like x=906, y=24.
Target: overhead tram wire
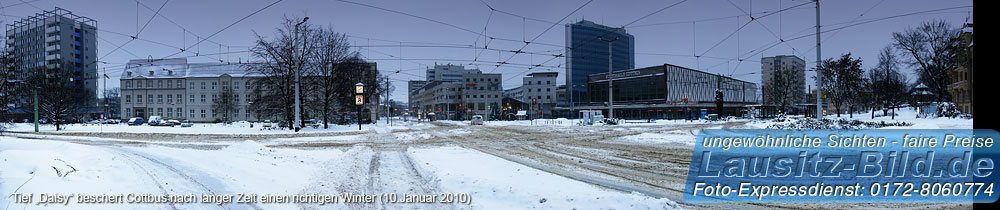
x=227, y=27
x=752, y=19
x=870, y=21
x=850, y=22
x=526, y=43
x=859, y=23
x=438, y=22
x=134, y=37
x=186, y=31
x=515, y=15
x=748, y=23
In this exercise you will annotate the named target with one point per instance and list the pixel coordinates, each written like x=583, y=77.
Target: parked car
x=135, y=121
x=173, y=122
x=477, y=120
x=154, y=120
x=267, y=123
x=187, y=123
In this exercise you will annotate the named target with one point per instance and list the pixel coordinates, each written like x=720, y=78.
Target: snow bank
x=494, y=183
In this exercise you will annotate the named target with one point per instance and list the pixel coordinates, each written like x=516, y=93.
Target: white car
x=173, y=122
x=187, y=123
x=477, y=120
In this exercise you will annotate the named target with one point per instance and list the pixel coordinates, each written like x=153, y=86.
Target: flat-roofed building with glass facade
x=668, y=92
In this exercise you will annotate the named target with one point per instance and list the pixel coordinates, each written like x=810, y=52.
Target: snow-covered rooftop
x=180, y=68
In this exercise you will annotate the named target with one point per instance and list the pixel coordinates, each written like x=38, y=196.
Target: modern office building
x=587, y=54
x=792, y=79
x=514, y=93
x=57, y=40
x=445, y=72
x=411, y=86
x=475, y=93
x=668, y=92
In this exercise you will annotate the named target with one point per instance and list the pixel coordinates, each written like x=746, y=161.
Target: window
x=202, y=113
x=247, y=85
x=170, y=84
x=180, y=84
x=149, y=84
x=180, y=114
x=191, y=86
x=170, y=99
x=128, y=84
x=191, y=99
x=138, y=84
x=138, y=99
x=159, y=99
x=213, y=98
x=202, y=85
x=159, y=111
x=236, y=98
x=128, y=99
x=180, y=100
x=128, y=112
x=170, y=113
x=248, y=98
x=159, y=83
x=202, y=98
x=149, y=99
x=213, y=85
x=225, y=85
x=236, y=85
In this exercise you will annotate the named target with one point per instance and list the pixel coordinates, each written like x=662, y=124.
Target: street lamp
x=298, y=109
x=611, y=102
x=388, y=103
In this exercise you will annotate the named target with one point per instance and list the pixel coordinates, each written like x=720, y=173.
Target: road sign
x=359, y=89
x=359, y=99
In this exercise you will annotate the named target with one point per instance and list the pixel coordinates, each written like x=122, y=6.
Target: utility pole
x=36, y=109
x=298, y=100
x=819, y=59
x=611, y=101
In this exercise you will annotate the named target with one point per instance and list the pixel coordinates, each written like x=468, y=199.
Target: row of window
x=180, y=100
x=180, y=84
x=547, y=82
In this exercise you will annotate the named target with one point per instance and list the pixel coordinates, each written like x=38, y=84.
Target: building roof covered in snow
x=180, y=68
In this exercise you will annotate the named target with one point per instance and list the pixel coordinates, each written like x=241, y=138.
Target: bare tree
x=781, y=90
x=931, y=46
x=842, y=80
x=281, y=57
x=890, y=88
x=332, y=50
x=225, y=104
x=112, y=100
x=9, y=85
x=62, y=96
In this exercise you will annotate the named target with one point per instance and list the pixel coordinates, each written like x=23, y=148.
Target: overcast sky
x=674, y=35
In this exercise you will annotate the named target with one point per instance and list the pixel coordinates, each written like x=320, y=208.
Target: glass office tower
x=587, y=54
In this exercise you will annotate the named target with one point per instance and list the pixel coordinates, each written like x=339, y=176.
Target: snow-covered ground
x=903, y=115
x=94, y=165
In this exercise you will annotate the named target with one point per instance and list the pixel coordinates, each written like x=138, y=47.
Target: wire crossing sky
x=513, y=37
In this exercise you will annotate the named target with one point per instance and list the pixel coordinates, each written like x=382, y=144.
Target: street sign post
x=359, y=100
